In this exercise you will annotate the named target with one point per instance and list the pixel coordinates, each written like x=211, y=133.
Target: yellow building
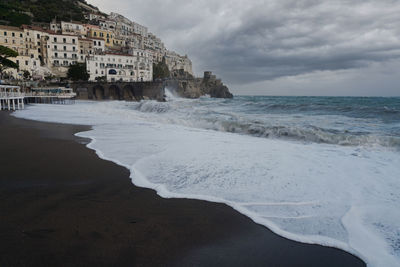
x=12, y=37
x=17, y=39
x=108, y=36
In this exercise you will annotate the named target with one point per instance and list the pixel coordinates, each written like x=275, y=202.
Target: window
x=13, y=34
x=5, y=33
x=55, y=39
x=73, y=48
x=38, y=43
x=55, y=54
x=73, y=41
x=38, y=36
x=64, y=40
x=55, y=47
x=65, y=48
x=65, y=55
x=17, y=61
x=20, y=35
x=26, y=62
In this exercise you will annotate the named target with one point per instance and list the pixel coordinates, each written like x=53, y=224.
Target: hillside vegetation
x=18, y=12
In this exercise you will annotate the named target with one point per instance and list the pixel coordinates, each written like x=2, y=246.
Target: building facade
x=120, y=67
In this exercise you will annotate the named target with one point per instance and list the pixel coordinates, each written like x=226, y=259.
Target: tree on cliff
x=5, y=63
x=160, y=70
x=78, y=72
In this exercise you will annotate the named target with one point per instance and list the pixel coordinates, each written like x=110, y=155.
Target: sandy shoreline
x=63, y=206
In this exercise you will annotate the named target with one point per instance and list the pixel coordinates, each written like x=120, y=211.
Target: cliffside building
x=120, y=67
x=113, y=46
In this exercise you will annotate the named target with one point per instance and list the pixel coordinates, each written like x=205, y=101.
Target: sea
x=321, y=170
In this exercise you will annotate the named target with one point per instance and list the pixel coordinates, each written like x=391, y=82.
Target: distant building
x=75, y=28
x=62, y=52
x=93, y=16
x=24, y=42
x=112, y=45
x=106, y=35
x=178, y=62
x=121, y=67
x=126, y=27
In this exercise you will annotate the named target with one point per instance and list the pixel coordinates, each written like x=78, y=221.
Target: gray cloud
x=263, y=41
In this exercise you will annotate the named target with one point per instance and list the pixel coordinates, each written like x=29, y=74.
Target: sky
x=281, y=47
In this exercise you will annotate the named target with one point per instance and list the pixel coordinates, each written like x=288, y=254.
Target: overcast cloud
x=277, y=47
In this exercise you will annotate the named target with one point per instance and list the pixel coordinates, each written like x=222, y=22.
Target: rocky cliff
x=185, y=85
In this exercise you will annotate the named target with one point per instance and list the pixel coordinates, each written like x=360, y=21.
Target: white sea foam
x=341, y=196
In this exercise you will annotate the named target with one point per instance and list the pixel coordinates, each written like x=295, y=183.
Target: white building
x=75, y=28
x=62, y=51
x=178, y=62
x=126, y=27
x=121, y=67
x=93, y=16
x=55, y=26
x=107, y=24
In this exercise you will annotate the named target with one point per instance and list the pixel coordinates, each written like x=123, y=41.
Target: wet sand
x=60, y=205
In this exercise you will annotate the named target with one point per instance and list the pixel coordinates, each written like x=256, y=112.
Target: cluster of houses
x=113, y=47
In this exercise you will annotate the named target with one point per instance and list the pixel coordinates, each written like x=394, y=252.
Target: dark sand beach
x=63, y=206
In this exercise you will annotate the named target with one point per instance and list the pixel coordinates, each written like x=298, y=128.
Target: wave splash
x=337, y=129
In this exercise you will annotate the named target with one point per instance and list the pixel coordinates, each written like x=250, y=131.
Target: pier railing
x=11, y=95
x=49, y=94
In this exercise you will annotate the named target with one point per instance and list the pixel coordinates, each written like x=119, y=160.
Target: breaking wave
x=339, y=129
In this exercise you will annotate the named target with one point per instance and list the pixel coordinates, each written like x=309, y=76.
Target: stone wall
x=130, y=91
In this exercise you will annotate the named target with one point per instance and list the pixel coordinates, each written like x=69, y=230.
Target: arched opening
x=98, y=92
x=114, y=92
x=128, y=93
x=138, y=91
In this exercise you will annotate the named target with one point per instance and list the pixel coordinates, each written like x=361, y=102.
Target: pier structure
x=50, y=95
x=11, y=97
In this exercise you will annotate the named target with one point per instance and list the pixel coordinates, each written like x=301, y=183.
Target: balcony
x=67, y=51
